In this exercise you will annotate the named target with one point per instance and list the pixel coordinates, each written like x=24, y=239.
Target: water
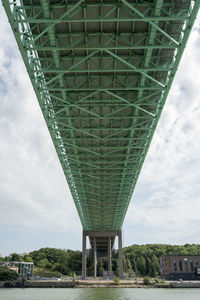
x=100, y=294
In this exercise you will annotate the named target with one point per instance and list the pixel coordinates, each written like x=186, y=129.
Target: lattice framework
x=101, y=71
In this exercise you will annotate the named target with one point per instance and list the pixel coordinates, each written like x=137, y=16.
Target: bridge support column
x=109, y=255
x=102, y=243
x=84, y=256
x=95, y=257
x=120, y=254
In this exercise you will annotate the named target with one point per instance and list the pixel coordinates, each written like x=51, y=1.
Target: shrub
x=46, y=273
x=156, y=280
x=6, y=274
x=116, y=281
x=146, y=280
x=162, y=281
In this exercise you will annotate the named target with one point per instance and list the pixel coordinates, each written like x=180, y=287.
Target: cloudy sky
x=36, y=207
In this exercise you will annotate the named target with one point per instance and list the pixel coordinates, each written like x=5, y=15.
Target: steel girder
x=101, y=71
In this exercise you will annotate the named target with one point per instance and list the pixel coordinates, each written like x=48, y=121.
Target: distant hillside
x=139, y=260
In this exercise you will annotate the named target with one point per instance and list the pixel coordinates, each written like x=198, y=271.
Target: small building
x=24, y=269
x=180, y=267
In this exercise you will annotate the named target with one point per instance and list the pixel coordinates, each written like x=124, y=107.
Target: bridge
x=101, y=71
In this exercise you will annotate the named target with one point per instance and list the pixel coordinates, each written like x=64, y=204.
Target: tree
x=100, y=266
x=75, y=262
x=140, y=259
x=155, y=266
x=146, y=280
x=42, y=263
x=14, y=257
x=28, y=258
x=7, y=274
x=129, y=268
x=49, y=266
x=141, y=265
x=62, y=268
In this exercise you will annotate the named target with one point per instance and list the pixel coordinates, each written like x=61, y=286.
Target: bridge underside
x=101, y=71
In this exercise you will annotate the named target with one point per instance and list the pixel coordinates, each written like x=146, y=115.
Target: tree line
x=139, y=260
x=144, y=260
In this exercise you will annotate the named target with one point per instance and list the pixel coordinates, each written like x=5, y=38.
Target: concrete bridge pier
x=102, y=243
x=120, y=254
x=95, y=256
x=84, y=255
x=109, y=255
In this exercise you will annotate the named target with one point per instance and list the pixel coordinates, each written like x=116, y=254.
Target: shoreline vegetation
x=62, y=268
x=139, y=260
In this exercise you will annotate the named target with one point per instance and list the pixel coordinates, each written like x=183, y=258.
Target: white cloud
x=166, y=202
x=33, y=190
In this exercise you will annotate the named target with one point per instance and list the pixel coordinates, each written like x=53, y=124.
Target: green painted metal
x=101, y=71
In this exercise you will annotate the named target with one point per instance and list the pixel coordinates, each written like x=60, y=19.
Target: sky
x=36, y=207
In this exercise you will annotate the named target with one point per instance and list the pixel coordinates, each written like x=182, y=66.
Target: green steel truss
x=101, y=71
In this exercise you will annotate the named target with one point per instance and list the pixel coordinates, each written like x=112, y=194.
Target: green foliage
x=116, y=281
x=46, y=273
x=141, y=265
x=145, y=259
x=14, y=257
x=28, y=258
x=51, y=255
x=101, y=266
x=62, y=268
x=162, y=281
x=42, y=263
x=75, y=261
x=57, y=260
x=128, y=267
x=140, y=260
x=49, y=266
x=146, y=280
x=156, y=280
x=6, y=274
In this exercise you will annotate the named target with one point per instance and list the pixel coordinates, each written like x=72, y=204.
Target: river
x=99, y=294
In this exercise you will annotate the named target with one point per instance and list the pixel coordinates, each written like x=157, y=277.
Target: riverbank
x=95, y=284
